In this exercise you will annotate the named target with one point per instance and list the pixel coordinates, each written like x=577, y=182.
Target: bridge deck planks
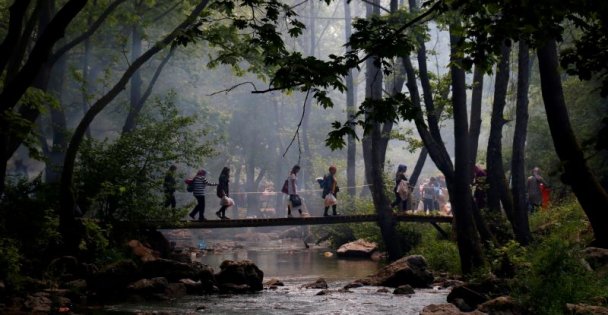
x=300, y=221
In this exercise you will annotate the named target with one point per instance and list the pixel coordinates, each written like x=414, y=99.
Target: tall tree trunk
x=17, y=11
x=498, y=188
x=135, y=91
x=474, y=131
x=31, y=70
x=520, y=224
x=460, y=190
x=351, y=92
x=306, y=159
x=476, y=102
x=280, y=170
x=59, y=124
x=39, y=55
x=68, y=225
x=418, y=167
x=134, y=112
x=590, y=194
x=374, y=156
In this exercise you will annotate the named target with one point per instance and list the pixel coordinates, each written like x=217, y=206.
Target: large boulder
x=446, y=309
x=67, y=268
x=158, y=242
x=234, y=274
x=502, y=305
x=475, y=293
x=318, y=284
x=405, y=289
x=357, y=249
x=38, y=303
x=584, y=309
x=597, y=259
x=410, y=270
x=175, y=270
x=112, y=280
x=140, y=250
x=466, y=298
x=145, y=287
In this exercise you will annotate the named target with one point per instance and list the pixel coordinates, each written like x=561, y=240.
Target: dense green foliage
x=113, y=176
x=550, y=273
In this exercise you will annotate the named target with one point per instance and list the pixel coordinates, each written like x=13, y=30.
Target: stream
x=290, y=262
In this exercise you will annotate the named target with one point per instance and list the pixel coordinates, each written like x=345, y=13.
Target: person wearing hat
x=199, y=182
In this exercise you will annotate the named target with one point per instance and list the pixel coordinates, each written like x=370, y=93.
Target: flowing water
x=295, y=266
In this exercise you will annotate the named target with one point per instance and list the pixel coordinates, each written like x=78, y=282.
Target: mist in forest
x=260, y=136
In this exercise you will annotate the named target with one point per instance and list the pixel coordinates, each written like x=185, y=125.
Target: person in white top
x=294, y=201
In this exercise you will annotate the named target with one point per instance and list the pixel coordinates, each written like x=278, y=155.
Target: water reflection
x=297, y=263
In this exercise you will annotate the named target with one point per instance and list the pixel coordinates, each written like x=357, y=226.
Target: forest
x=99, y=98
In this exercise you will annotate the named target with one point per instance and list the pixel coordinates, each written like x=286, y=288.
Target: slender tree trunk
x=418, y=167
x=351, y=92
x=520, y=223
x=476, y=102
x=253, y=204
x=498, y=188
x=134, y=112
x=474, y=131
x=135, y=85
x=590, y=194
x=280, y=170
x=59, y=124
x=374, y=155
x=460, y=192
x=17, y=11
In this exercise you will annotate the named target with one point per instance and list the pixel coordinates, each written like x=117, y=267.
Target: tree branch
x=134, y=112
x=234, y=87
x=296, y=134
x=40, y=54
x=86, y=34
x=17, y=13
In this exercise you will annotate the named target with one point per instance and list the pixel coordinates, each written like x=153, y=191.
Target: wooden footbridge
x=238, y=223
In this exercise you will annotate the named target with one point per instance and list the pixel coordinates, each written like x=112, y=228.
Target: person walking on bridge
x=330, y=191
x=429, y=195
x=294, y=201
x=223, y=192
x=169, y=185
x=199, y=182
x=400, y=176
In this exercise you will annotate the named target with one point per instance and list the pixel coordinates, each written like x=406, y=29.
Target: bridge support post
x=440, y=230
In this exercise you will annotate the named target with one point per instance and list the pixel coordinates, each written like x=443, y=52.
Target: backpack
x=403, y=189
x=321, y=181
x=189, y=184
x=285, y=190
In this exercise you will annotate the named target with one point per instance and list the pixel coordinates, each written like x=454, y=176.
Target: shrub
x=121, y=181
x=441, y=254
x=28, y=228
x=10, y=262
x=556, y=277
x=552, y=273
